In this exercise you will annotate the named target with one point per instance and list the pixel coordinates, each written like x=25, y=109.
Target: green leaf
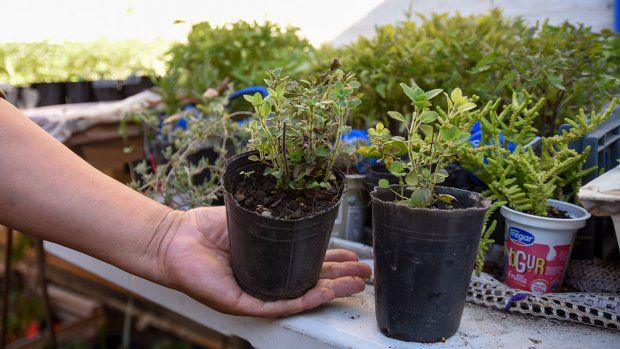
x=248, y=98
x=420, y=197
x=397, y=168
x=395, y=148
x=556, y=82
x=408, y=91
x=411, y=179
x=253, y=158
x=257, y=98
x=384, y=183
x=428, y=116
x=322, y=152
x=396, y=116
x=432, y=93
x=457, y=95
x=449, y=133
x=427, y=130
x=467, y=106
x=447, y=198
x=265, y=108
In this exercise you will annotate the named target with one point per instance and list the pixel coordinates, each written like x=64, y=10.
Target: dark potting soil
x=555, y=212
x=257, y=192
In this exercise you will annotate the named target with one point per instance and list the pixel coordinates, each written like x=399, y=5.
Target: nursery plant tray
x=350, y=322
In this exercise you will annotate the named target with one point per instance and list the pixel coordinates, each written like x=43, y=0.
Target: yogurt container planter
x=423, y=263
x=274, y=258
x=537, y=249
x=350, y=221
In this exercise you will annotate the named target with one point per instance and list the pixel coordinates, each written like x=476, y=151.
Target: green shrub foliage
x=26, y=63
x=240, y=52
x=488, y=55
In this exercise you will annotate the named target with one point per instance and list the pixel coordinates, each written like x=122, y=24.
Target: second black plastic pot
x=136, y=84
x=79, y=92
x=274, y=258
x=107, y=90
x=50, y=93
x=424, y=259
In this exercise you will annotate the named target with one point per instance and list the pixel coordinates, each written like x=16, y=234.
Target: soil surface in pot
x=257, y=192
x=555, y=212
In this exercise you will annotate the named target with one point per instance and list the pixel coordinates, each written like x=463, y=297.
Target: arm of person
x=51, y=193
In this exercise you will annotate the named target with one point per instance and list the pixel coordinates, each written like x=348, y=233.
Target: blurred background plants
x=488, y=55
x=26, y=63
x=241, y=52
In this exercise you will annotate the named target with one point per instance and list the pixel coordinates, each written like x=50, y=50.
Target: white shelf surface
x=350, y=322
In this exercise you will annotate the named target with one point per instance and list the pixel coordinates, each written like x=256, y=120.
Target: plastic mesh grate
x=596, y=309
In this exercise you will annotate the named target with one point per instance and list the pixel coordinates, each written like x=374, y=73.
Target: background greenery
x=487, y=55
x=26, y=63
x=241, y=52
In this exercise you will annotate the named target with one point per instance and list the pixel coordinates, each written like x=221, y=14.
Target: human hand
x=194, y=257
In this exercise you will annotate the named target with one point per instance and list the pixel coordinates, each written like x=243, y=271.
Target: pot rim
x=553, y=203
x=486, y=203
x=336, y=171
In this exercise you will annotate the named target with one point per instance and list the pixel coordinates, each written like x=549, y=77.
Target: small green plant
x=538, y=168
x=434, y=137
x=186, y=178
x=485, y=239
x=298, y=127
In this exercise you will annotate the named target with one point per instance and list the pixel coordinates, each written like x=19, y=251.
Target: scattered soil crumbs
x=256, y=192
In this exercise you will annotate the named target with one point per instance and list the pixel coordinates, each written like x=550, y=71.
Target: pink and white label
x=533, y=265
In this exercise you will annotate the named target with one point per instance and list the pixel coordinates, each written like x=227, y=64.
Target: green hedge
x=488, y=55
x=25, y=63
x=241, y=52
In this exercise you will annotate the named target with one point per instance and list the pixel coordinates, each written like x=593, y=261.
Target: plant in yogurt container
x=535, y=177
x=283, y=197
x=425, y=235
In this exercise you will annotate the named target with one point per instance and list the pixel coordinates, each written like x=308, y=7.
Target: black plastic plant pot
x=373, y=175
x=50, y=93
x=107, y=90
x=424, y=259
x=79, y=92
x=274, y=258
x=136, y=84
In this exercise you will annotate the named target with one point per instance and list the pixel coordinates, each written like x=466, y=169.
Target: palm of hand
x=197, y=262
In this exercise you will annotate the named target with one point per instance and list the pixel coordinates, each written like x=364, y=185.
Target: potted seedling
x=282, y=198
x=535, y=180
x=425, y=236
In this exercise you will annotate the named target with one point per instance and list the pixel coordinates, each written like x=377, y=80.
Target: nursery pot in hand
x=537, y=249
x=424, y=258
x=274, y=258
